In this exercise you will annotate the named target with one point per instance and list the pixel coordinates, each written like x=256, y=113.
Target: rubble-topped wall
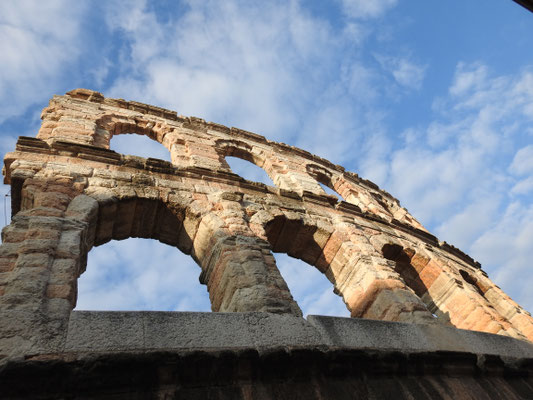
x=70, y=193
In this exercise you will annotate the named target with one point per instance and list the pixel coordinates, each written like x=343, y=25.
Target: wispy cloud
x=273, y=68
x=139, y=274
x=367, y=9
x=240, y=64
x=507, y=248
x=39, y=43
x=310, y=288
x=405, y=72
x=522, y=163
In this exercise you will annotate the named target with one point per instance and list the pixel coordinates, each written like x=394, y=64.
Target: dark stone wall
x=276, y=373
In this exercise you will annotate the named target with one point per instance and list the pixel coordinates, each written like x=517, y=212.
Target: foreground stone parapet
x=70, y=192
x=149, y=355
x=123, y=331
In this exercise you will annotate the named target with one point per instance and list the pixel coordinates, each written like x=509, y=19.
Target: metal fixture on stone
x=70, y=192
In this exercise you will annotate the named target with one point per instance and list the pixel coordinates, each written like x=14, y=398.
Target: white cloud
x=507, y=247
x=468, y=77
x=137, y=274
x=39, y=42
x=523, y=161
x=404, y=71
x=310, y=288
x=241, y=65
x=273, y=69
x=462, y=154
x=524, y=186
x=367, y=9
x=466, y=225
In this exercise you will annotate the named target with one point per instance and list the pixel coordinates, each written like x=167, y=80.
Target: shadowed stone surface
x=158, y=355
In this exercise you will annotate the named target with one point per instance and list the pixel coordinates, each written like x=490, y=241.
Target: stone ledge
x=264, y=356
x=143, y=330
x=405, y=337
x=94, y=331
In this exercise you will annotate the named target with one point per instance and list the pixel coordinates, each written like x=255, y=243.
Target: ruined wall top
x=86, y=117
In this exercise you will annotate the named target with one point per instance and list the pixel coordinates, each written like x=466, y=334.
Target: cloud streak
x=39, y=43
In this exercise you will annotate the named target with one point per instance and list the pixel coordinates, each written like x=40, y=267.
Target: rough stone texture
x=148, y=330
x=147, y=355
x=108, y=331
x=70, y=193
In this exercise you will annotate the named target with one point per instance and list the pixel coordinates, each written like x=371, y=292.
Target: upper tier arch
x=86, y=117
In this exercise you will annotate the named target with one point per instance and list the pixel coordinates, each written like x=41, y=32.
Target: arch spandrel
x=230, y=226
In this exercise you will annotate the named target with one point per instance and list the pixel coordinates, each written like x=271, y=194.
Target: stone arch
x=366, y=198
x=244, y=151
x=368, y=284
x=251, y=284
x=473, y=282
x=45, y=251
x=323, y=176
x=110, y=125
x=231, y=224
x=456, y=298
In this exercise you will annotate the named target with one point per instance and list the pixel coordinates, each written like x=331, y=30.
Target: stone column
x=41, y=256
x=464, y=306
x=238, y=268
x=368, y=283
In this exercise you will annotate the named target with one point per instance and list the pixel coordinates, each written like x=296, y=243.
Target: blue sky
x=431, y=100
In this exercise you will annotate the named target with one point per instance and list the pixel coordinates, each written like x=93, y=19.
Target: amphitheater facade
x=70, y=192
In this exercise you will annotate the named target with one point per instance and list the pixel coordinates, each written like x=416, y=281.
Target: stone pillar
x=238, y=268
x=241, y=275
x=368, y=283
x=41, y=256
x=464, y=306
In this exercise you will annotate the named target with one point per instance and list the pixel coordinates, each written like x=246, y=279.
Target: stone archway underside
x=70, y=192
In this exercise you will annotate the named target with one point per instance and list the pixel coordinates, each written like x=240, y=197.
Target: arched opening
x=330, y=191
x=139, y=145
x=310, y=288
x=243, y=161
x=300, y=247
x=473, y=282
x=140, y=274
x=403, y=266
x=324, y=179
x=132, y=273
x=248, y=170
x=411, y=266
x=238, y=270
